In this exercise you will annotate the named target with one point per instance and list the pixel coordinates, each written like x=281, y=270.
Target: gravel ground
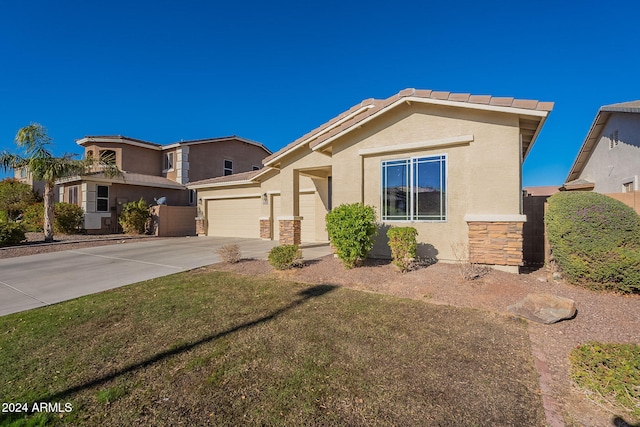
x=603, y=317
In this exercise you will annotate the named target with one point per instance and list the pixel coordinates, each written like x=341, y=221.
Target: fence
x=173, y=221
x=630, y=199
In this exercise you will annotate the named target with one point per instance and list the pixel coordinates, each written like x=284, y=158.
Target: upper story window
x=613, y=139
x=168, y=161
x=228, y=167
x=89, y=154
x=255, y=168
x=102, y=198
x=23, y=173
x=108, y=156
x=415, y=189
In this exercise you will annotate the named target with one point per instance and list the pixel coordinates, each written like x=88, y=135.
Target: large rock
x=544, y=308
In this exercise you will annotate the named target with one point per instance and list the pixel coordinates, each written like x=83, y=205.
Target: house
x=448, y=164
x=152, y=171
x=24, y=176
x=609, y=159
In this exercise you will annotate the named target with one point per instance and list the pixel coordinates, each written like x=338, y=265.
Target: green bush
x=134, y=217
x=403, y=244
x=285, y=256
x=33, y=218
x=595, y=240
x=11, y=233
x=68, y=218
x=352, y=228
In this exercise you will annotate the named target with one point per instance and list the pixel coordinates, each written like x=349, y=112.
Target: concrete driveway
x=38, y=280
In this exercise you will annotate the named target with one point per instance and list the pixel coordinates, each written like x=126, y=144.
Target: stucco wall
x=131, y=158
x=608, y=167
x=207, y=160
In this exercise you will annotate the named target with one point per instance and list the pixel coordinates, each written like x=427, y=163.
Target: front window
x=102, y=198
x=168, y=161
x=73, y=195
x=414, y=189
x=228, y=167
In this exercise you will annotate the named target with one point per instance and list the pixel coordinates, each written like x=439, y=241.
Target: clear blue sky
x=163, y=71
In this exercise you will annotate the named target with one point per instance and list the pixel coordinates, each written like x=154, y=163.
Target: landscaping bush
x=134, y=217
x=595, y=240
x=33, y=218
x=68, y=218
x=403, y=244
x=285, y=256
x=230, y=253
x=352, y=228
x=11, y=233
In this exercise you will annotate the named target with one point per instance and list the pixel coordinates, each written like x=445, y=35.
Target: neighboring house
x=447, y=164
x=152, y=171
x=24, y=176
x=609, y=159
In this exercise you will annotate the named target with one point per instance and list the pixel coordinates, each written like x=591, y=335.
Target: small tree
x=352, y=228
x=134, y=217
x=15, y=197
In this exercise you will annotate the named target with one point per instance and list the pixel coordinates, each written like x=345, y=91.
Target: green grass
x=214, y=348
x=611, y=371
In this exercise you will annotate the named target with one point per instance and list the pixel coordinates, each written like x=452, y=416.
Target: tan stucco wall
x=207, y=160
x=131, y=158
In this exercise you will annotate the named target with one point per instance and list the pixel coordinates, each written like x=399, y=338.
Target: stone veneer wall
x=290, y=231
x=200, y=231
x=495, y=243
x=265, y=229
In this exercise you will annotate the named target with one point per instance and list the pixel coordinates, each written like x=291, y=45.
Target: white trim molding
x=289, y=218
x=494, y=218
x=232, y=196
x=455, y=140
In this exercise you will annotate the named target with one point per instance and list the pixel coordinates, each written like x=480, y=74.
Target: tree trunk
x=48, y=211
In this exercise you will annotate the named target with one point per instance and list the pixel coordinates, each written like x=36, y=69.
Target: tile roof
x=129, y=178
x=236, y=177
x=623, y=107
x=369, y=107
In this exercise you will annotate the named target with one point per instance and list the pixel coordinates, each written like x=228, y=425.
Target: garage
x=234, y=217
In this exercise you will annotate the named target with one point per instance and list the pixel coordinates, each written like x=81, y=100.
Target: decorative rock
x=557, y=276
x=544, y=308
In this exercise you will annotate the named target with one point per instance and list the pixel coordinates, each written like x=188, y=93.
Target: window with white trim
x=415, y=189
x=102, y=198
x=628, y=187
x=73, y=195
x=228, y=167
x=168, y=162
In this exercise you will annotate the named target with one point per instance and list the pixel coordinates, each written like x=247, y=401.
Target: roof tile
x=480, y=99
x=501, y=102
x=463, y=97
x=530, y=104
x=440, y=95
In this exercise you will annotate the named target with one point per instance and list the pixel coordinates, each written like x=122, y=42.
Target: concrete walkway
x=39, y=280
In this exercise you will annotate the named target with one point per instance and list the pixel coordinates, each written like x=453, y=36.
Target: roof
x=140, y=143
x=594, y=134
x=533, y=114
x=578, y=184
x=128, y=178
x=235, y=179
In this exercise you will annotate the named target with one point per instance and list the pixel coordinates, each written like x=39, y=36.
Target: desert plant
x=352, y=228
x=468, y=270
x=284, y=257
x=134, y=217
x=11, y=233
x=68, y=218
x=595, y=240
x=33, y=218
x=229, y=253
x=403, y=244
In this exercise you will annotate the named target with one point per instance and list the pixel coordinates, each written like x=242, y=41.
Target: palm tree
x=36, y=157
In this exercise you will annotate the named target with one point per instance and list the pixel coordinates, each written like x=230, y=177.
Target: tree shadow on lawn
x=304, y=295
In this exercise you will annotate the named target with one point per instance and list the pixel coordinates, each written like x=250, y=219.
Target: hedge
x=352, y=228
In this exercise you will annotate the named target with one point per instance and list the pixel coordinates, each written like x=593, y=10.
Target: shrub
x=68, y=218
x=285, y=256
x=134, y=217
x=403, y=244
x=229, y=253
x=352, y=228
x=33, y=218
x=595, y=240
x=11, y=233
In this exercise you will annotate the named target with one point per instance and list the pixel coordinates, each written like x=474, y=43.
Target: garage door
x=234, y=217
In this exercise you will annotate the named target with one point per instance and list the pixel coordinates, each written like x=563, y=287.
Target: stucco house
x=152, y=171
x=448, y=164
x=609, y=159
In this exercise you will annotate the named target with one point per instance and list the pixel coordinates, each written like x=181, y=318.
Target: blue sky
x=163, y=71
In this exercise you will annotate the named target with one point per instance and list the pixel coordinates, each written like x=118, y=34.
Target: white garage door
x=234, y=217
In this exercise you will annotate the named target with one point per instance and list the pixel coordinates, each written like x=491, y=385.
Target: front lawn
x=211, y=348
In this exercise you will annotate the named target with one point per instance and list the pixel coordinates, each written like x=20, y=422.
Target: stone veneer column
x=496, y=242
x=265, y=228
x=200, y=231
x=290, y=230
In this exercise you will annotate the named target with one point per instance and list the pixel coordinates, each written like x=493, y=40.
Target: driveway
x=39, y=280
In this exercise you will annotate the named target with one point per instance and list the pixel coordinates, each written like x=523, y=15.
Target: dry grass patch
x=217, y=348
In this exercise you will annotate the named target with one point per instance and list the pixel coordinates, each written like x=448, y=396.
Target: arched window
x=107, y=156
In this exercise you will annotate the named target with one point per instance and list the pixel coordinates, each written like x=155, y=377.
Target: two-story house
x=152, y=172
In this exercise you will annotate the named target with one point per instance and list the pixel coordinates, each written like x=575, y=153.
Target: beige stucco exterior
x=483, y=151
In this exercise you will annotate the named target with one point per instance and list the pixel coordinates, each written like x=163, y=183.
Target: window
x=102, y=198
x=73, y=195
x=228, y=167
x=23, y=173
x=192, y=197
x=613, y=139
x=108, y=156
x=255, y=168
x=414, y=189
x=627, y=187
x=168, y=162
